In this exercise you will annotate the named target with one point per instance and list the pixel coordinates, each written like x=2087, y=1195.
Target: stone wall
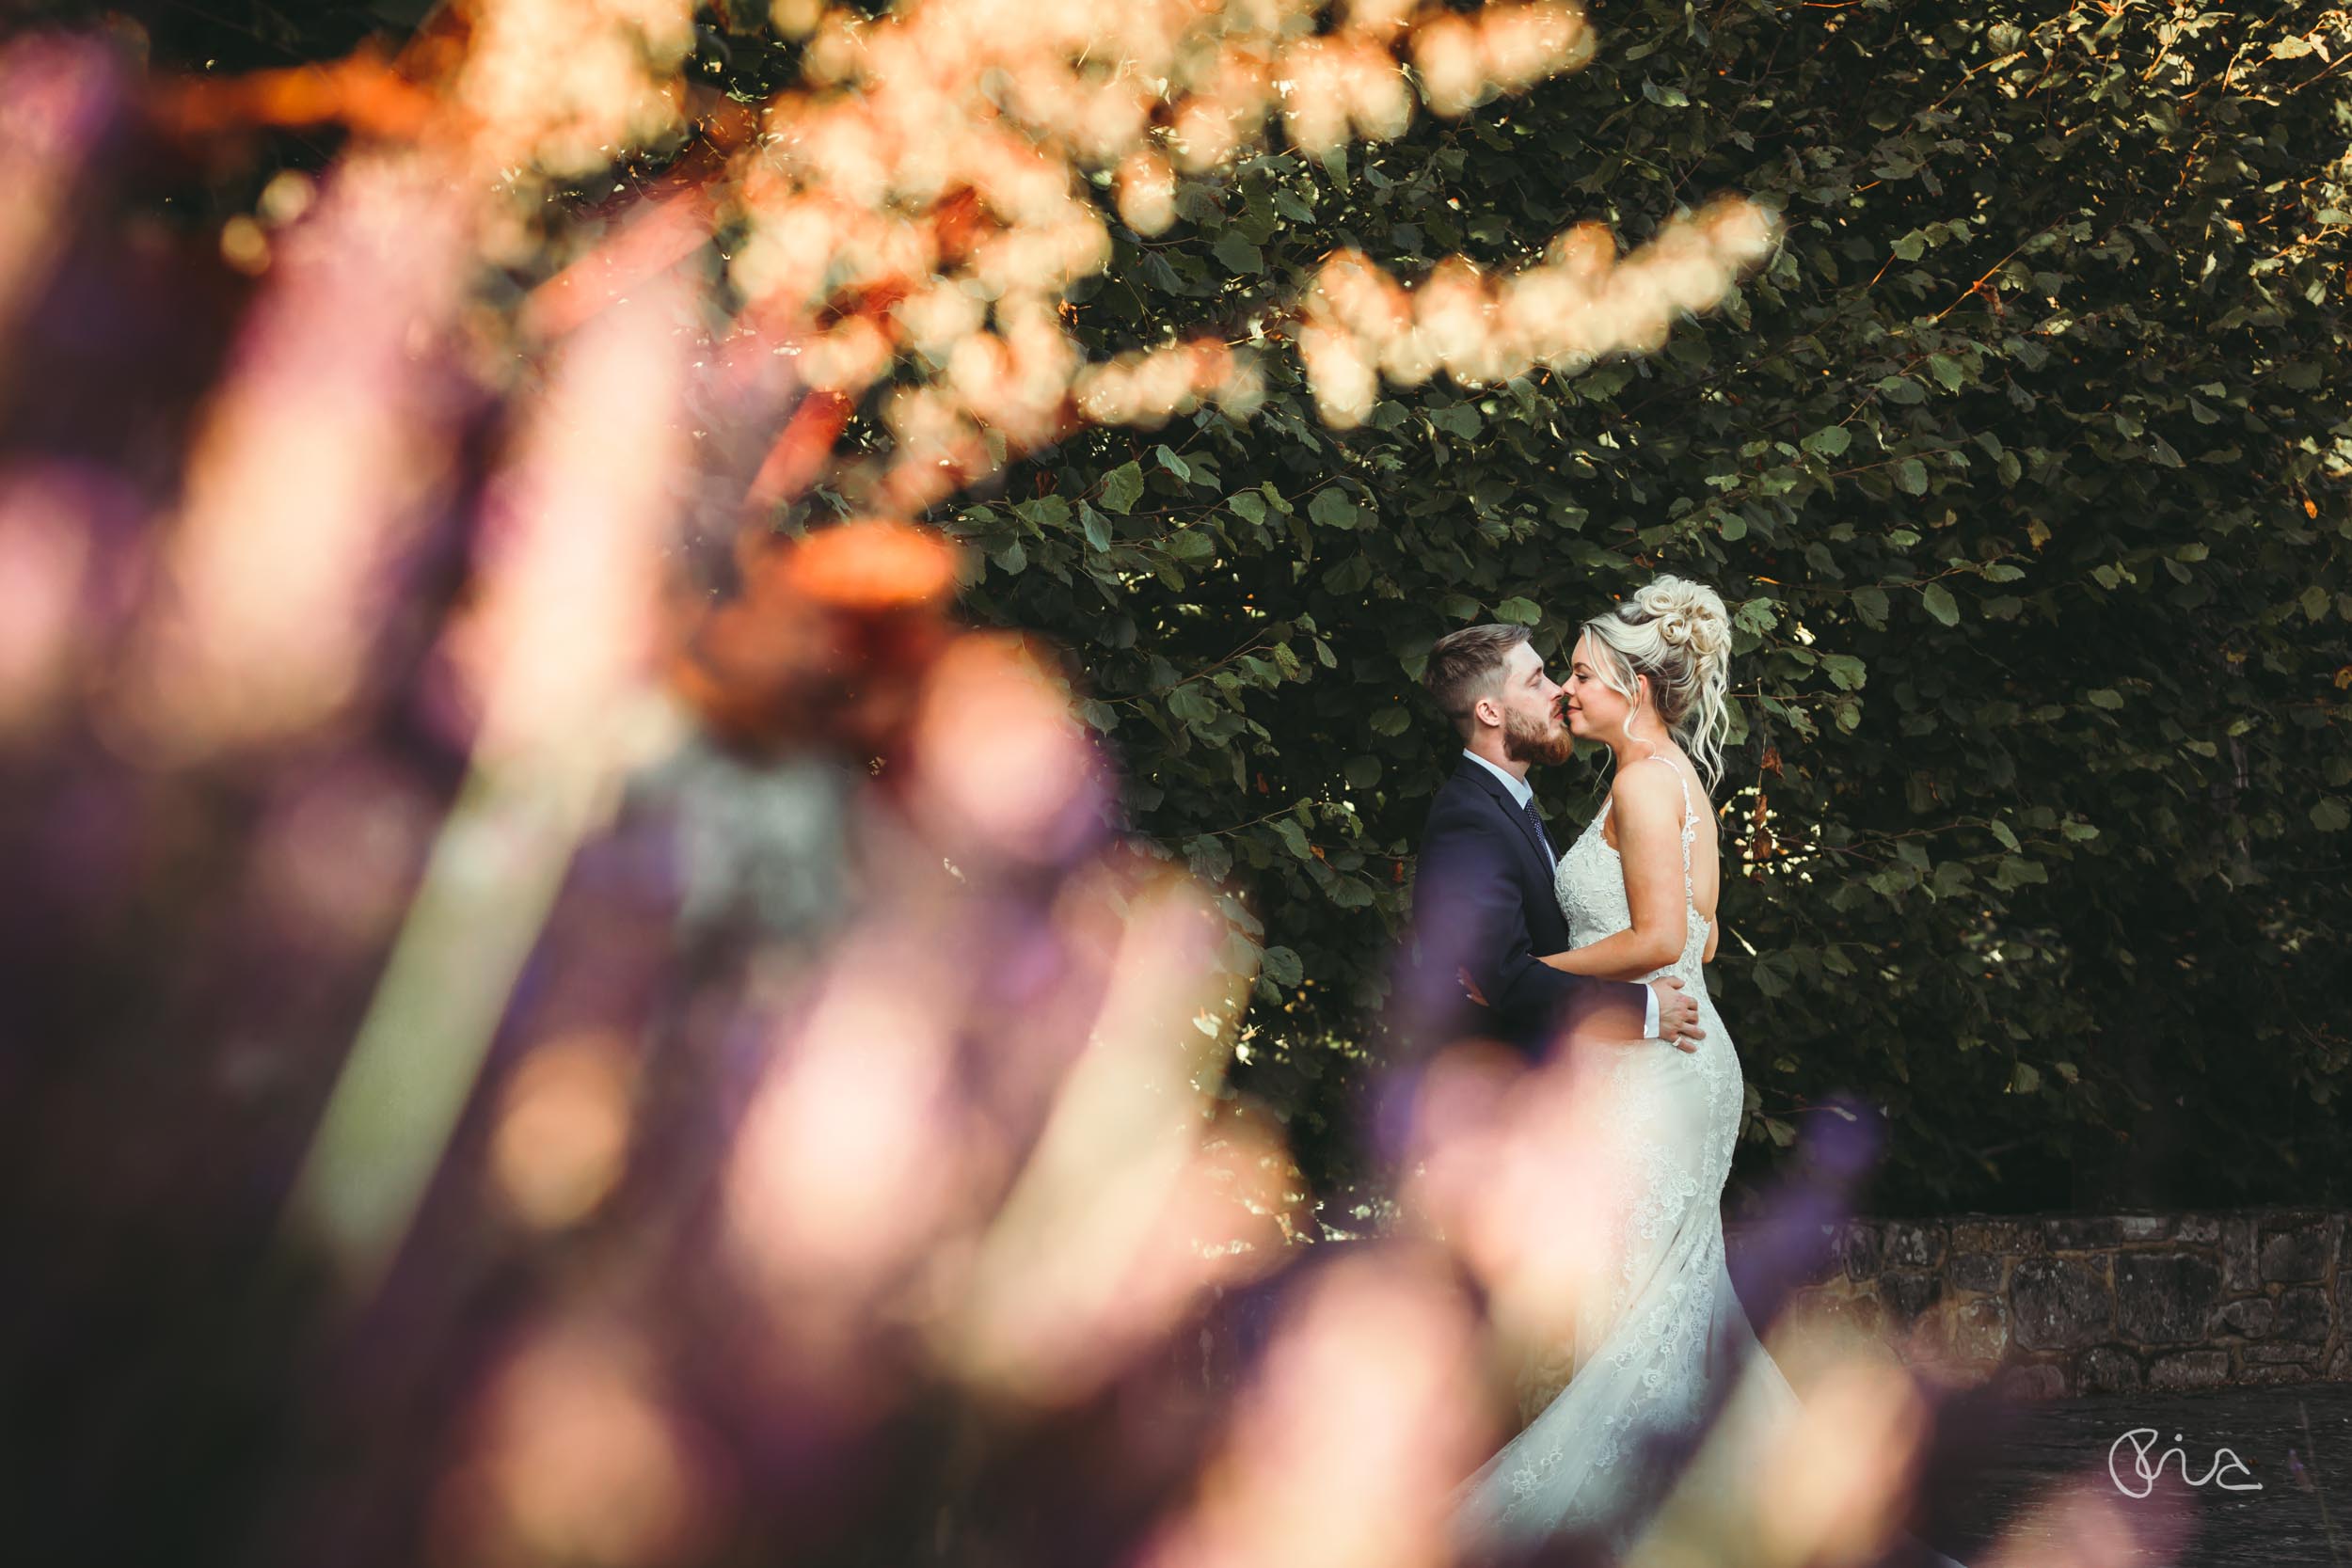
x=2051, y=1305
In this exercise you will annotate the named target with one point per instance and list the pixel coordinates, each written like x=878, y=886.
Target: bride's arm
x=1648, y=805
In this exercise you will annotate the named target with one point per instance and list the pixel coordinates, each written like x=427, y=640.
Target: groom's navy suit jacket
x=1482, y=902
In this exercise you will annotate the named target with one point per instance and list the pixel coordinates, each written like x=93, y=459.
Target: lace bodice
x=1590, y=885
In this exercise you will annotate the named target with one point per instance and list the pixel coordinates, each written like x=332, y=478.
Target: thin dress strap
x=1690, y=826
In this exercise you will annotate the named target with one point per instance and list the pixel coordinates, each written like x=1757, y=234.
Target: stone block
x=2060, y=1303
x=1979, y=1330
x=2002, y=1238
x=1862, y=1250
x=1808, y=1255
x=2273, y=1354
x=2292, y=1219
x=2164, y=1297
x=2300, y=1253
x=2248, y=1317
x=2189, y=1368
x=1975, y=1271
x=2041, y=1380
x=2274, y=1373
x=2145, y=1227
x=1908, y=1295
x=2205, y=1229
x=2303, y=1314
x=1836, y=1305
x=2107, y=1369
x=1913, y=1244
x=2241, y=1267
x=2082, y=1232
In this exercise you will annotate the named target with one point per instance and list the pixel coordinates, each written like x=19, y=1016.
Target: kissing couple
x=1602, y=946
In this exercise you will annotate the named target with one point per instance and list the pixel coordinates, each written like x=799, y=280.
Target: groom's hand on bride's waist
x=1678, y=1010
x=1677, y=1015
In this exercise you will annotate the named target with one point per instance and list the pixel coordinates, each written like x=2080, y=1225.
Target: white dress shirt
x=1522, y=792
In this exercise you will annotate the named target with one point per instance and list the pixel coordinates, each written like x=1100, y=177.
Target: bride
x=1661, y=1334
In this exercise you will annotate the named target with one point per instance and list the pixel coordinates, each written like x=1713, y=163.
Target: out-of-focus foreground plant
x=549, y=1020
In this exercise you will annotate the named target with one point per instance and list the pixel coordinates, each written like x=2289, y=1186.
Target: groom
x=1482, y=901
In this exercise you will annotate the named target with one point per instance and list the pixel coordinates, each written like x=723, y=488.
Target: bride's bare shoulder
x=1647, y=792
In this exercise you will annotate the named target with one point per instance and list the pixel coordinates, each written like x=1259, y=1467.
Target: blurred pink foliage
x=783, y=1115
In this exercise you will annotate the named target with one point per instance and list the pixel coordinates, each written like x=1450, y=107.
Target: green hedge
x=2022, y=464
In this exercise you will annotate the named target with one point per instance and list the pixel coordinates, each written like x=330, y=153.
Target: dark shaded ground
x=2286, y=1523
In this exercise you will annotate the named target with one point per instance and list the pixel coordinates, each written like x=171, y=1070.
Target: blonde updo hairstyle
x=1676, y=632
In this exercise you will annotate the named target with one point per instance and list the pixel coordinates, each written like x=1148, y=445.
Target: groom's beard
x=1523, y=740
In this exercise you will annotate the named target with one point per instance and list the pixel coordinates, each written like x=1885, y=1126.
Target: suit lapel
x=1502, y=798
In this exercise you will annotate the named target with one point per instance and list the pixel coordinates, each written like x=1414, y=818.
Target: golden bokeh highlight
x=561, y=1142
x=1834, y=1490
x=1344, y=1450
x=578, y=1460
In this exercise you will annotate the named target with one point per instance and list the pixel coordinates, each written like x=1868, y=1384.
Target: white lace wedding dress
x=1645, y=1359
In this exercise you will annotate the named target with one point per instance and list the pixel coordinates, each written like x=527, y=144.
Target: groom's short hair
x=1464, y=666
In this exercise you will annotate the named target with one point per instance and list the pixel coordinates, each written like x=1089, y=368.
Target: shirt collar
x=1522, y=791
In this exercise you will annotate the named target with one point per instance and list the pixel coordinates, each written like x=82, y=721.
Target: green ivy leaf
x=1044, y=512
x=1123, y=487
x=1332, y=509
x=1191, y=545
x=1238, y=254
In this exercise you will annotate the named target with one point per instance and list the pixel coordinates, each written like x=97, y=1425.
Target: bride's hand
x=1677, y=1015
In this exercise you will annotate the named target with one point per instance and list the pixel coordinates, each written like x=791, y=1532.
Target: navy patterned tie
x=1528, y=808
